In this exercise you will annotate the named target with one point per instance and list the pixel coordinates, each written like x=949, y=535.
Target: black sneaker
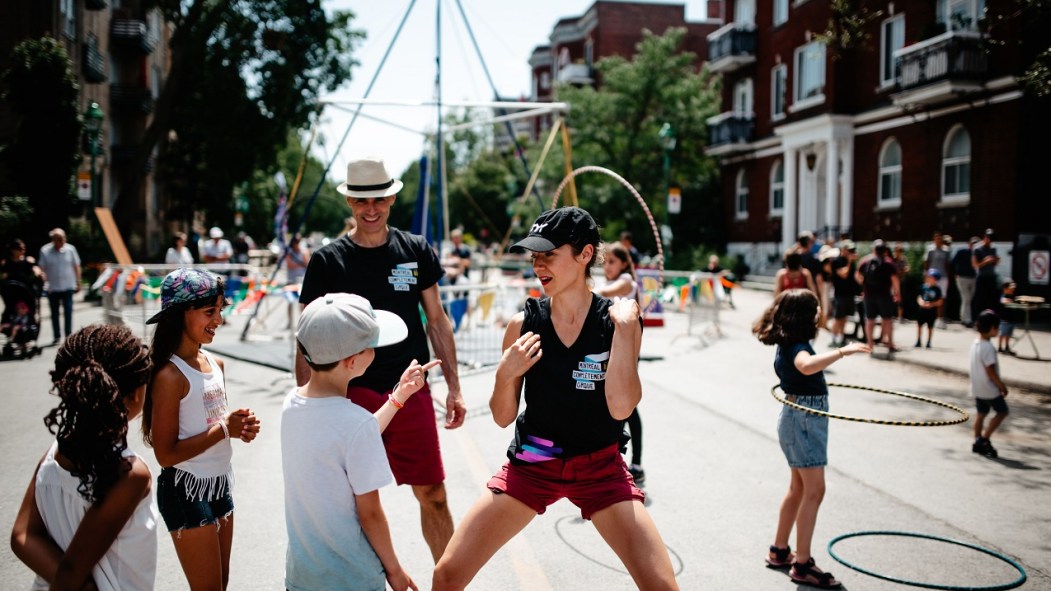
x=980, y=446
x=990, y=451
x=928, y=344
x=638, y=474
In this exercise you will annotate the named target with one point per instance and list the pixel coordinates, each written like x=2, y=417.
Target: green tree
x=14, y=216
x=243, y=74
x=617, y=126
x=42, y=158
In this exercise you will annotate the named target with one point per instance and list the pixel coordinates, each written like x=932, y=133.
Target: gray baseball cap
x=338, y=325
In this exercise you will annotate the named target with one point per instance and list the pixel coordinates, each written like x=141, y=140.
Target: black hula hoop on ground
x=1016, y=583
x=961, y=419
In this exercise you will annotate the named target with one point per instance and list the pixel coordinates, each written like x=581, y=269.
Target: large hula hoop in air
x=1015, y=583
x=627, y=185
x=961, y=419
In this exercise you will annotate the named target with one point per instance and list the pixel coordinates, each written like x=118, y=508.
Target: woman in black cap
x=567, y=440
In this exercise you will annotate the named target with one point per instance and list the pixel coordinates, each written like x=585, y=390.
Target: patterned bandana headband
x=185, y=286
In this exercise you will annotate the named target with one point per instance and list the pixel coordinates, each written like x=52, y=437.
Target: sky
x=505, y=30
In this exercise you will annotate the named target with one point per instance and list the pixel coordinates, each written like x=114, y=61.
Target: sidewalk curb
x=1011, y=382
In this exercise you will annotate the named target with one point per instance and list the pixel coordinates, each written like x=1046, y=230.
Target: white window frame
x=799, y=101
x=744, y=97
x=974, y=9
x=777, y=187
x=68, y=16
x=744, y=12
x=891, y=170
x=741, y=196
x=780, y=12
x=888, y=44
x=776, y=95
x=959, y=198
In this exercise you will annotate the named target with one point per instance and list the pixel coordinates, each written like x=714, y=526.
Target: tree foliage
x=244, y=73
x=42, y=158
x=617, y=127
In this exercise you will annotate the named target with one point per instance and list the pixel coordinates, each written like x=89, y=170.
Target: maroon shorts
x=411, y=438
x=591, y=481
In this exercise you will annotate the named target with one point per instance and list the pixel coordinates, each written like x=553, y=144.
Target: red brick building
x=608, y=28
x=923, y=127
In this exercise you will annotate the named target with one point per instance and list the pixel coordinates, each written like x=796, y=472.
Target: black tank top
x=565, y=392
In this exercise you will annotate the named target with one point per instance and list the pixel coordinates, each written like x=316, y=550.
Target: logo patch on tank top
x=592, y=369
x=403, y=276
x=214, y=398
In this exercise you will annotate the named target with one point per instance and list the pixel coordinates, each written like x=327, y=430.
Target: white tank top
x=203, y=406
x=633, y=294
x=130, y=564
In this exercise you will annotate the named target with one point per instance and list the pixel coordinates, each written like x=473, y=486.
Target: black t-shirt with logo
x=391, y=277
x=565, y=392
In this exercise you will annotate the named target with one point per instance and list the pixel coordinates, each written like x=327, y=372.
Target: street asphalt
x=715, y=473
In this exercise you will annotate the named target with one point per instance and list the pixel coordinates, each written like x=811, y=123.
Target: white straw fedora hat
x=368, y=178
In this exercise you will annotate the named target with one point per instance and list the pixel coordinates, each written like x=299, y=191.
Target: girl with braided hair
x=87, y=520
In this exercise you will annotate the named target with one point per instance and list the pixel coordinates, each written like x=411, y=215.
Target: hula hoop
x=1016, y=583
x=627, y=185
x=961, y=419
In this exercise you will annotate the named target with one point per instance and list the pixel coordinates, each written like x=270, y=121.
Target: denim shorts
x=999, y=404
x=1007, y=329
x=804, y=436
x=181, y=512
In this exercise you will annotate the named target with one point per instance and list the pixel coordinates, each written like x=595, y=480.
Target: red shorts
x=411, y=438
x=591, y=481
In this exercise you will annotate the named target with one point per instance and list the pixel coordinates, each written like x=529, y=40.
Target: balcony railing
x=940, y=68
x=731, y=47
x=93, y=64
x=132, y=34
x=575, y=74
x=124, y=98
x=729, y=132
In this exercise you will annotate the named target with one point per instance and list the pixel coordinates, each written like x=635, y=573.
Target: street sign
x=674, y=200
x=1038, y=267
x=84, y=185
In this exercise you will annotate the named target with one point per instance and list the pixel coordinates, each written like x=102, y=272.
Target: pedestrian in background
x=332, y=455
x=987, y=388
x=937, y=258
x=178, y=254
x=986, y=289
x=60, y=263
x=216, y=249
x=1008, y=316
x=902, y=264
x=567, y=440
x=790, y=323
x=844, y=290
x=963, y=269
x=881, y=293
x=186, y=420
x=621, y=282
x=930, y=301
x=793, y=275
x=87, y=520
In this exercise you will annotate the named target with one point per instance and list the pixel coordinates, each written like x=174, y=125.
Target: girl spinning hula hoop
x=791, y=322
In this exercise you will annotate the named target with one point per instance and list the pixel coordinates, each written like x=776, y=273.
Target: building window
x=890, y=174
x=744, y=12
x=892, y=39
x=741, y=196
x=810, y=74
x=777, y=189
x=956, y=166
x=743, y=102
x=589, y=53
x=778, y=78
x=68, y=15
x=960, y=15
x=545, y=80
x=780, y=12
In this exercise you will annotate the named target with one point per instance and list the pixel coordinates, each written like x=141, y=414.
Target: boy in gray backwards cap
x=332, y=455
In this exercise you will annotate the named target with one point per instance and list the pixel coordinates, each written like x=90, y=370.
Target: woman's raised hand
x=624, y=311
x=522, y=354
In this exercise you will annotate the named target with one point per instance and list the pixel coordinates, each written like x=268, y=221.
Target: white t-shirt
x=60, y=267
x=216, y=249
x=330, y=451
x=130, y=564
x=178, y=257
x=983, y=354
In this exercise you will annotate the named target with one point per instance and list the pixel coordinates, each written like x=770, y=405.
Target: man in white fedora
x=398, y=272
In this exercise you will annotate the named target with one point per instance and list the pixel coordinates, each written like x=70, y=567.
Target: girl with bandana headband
x=187, y=421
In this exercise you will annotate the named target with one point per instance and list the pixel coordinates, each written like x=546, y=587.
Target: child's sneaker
x=918, y=344
x=928, y=344
x=638, y=474
x=990, y=451
x=979, y=446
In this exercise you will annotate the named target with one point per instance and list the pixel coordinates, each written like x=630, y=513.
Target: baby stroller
x=21, y=330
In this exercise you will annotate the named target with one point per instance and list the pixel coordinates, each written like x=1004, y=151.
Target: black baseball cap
x=555, y=227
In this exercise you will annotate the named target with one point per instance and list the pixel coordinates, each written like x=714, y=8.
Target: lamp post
x=666, y=138
x=93, y=127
